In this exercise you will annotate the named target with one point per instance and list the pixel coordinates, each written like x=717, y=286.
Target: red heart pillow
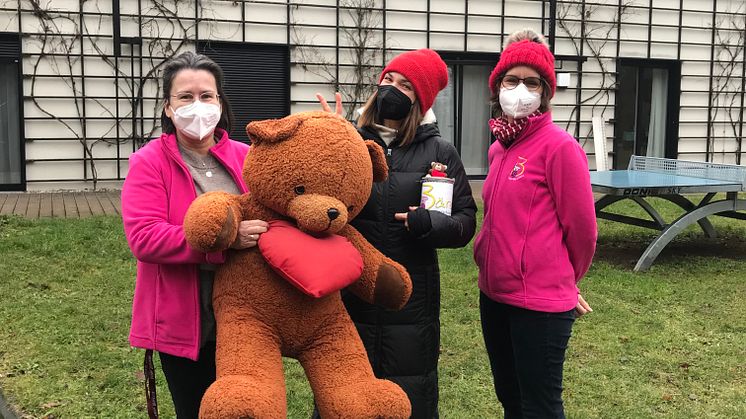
x=316, y=266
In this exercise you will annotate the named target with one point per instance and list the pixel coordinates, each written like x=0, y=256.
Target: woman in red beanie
x=538, y=235
x=403, y=346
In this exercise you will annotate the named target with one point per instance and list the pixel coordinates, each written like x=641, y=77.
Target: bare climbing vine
x=361, y=50
x=590, y=36
x=66, y=41
x=728, y=83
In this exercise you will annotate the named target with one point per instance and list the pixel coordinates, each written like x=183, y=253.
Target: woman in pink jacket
x=172, y=308
x=538, y=236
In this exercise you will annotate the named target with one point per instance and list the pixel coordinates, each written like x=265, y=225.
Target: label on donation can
x=437, y=194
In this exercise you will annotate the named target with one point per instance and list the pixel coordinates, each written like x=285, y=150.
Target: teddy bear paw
x=239, y=397
x=211, y=224
x=375, y=399
x=393, y=287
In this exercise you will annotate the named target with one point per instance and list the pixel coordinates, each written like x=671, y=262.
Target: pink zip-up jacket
x=539, y=231
x=155, y=197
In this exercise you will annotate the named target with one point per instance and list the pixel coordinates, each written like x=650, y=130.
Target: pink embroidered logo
x=518, y=169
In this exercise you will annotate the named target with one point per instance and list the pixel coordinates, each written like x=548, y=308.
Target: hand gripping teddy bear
x=308, y=175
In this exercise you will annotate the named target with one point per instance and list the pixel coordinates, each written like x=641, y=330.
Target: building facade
x=79, y=79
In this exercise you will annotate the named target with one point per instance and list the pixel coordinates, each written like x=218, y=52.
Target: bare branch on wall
x=590, y=36
x=167, y=30
x=728, y=88
x=362, y=43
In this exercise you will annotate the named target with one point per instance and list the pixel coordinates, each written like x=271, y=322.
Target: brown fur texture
x=298, y=168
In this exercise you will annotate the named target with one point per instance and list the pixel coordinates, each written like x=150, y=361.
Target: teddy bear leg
x=383, y=281
x=250, y=381
x=342, y=380
x=393, y=285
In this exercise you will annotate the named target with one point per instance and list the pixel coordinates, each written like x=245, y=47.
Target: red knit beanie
x=425, y=70
x=529, y=53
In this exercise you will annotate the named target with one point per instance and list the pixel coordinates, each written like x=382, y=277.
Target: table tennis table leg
x=688, y=205
x=650, y=210
x=681, y=223
x=607, y=200
x=658, y=222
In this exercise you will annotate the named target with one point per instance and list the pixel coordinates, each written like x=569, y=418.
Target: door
x=12, y=168
x=463, y=109
x=647, y=109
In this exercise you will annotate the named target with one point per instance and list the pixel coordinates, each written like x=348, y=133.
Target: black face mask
x=392, y=103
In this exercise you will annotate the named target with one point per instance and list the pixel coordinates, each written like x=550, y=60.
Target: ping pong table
x=671, y=179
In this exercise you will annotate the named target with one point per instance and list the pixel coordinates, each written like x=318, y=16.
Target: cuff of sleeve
x=215, y=258
x=419, y=222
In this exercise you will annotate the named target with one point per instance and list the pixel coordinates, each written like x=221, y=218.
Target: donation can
x=437, y=194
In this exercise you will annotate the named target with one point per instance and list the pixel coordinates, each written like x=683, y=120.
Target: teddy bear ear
x=273, y=130
x=380, y=168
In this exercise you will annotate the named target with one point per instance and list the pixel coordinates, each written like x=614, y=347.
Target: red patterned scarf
x=505, y=131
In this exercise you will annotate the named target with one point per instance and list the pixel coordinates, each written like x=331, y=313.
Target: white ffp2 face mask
x=519, y=102
x=196, y=120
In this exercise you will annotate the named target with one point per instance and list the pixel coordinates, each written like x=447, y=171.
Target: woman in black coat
x=403, y=346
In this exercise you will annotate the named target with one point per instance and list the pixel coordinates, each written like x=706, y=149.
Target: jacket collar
x=170, y=143
x=533, y=125
x=428, y=128
x=220, y=150
x=429, y=117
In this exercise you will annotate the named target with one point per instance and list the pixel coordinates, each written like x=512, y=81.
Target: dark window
x=12, y=170
x=257, y=80
x=647, y=109
x=463, y=108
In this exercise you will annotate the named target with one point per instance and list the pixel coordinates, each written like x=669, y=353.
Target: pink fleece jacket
x=155, y=197
x=539, y=231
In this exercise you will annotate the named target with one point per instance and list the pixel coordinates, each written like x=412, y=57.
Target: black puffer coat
x=403, y=345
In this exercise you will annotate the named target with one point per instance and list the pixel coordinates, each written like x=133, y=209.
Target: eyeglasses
x=531, y=83
x=187, y=98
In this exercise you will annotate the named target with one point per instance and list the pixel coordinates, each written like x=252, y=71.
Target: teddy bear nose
x=332, y=213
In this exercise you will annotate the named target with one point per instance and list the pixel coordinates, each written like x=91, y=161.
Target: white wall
x=55, y=81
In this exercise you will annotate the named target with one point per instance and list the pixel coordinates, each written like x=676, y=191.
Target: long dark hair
x=192, y=61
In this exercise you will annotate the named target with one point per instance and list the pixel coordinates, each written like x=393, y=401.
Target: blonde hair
x=526, y=34
x=408, y=127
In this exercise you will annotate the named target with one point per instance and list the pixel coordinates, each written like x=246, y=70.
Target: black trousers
x=527, y=353
x=188, y=380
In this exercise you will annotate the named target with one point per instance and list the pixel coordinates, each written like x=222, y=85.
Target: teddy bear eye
x=350, y=208
x=300, y=190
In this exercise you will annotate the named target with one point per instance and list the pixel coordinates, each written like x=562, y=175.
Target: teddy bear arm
x=251, y=209
x=383, y=281
x=211, y=222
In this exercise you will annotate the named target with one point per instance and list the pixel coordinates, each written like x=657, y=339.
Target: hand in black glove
x=417, y=220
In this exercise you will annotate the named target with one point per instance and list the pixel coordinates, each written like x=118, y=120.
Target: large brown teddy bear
x=315, y=170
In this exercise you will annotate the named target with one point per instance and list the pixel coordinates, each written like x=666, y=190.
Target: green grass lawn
x=667, y=343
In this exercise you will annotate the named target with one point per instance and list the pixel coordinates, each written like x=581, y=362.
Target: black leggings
x=527, y=352
x=188, y=380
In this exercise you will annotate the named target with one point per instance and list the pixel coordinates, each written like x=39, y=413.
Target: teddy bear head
x=438, y=166
x=312, y=167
